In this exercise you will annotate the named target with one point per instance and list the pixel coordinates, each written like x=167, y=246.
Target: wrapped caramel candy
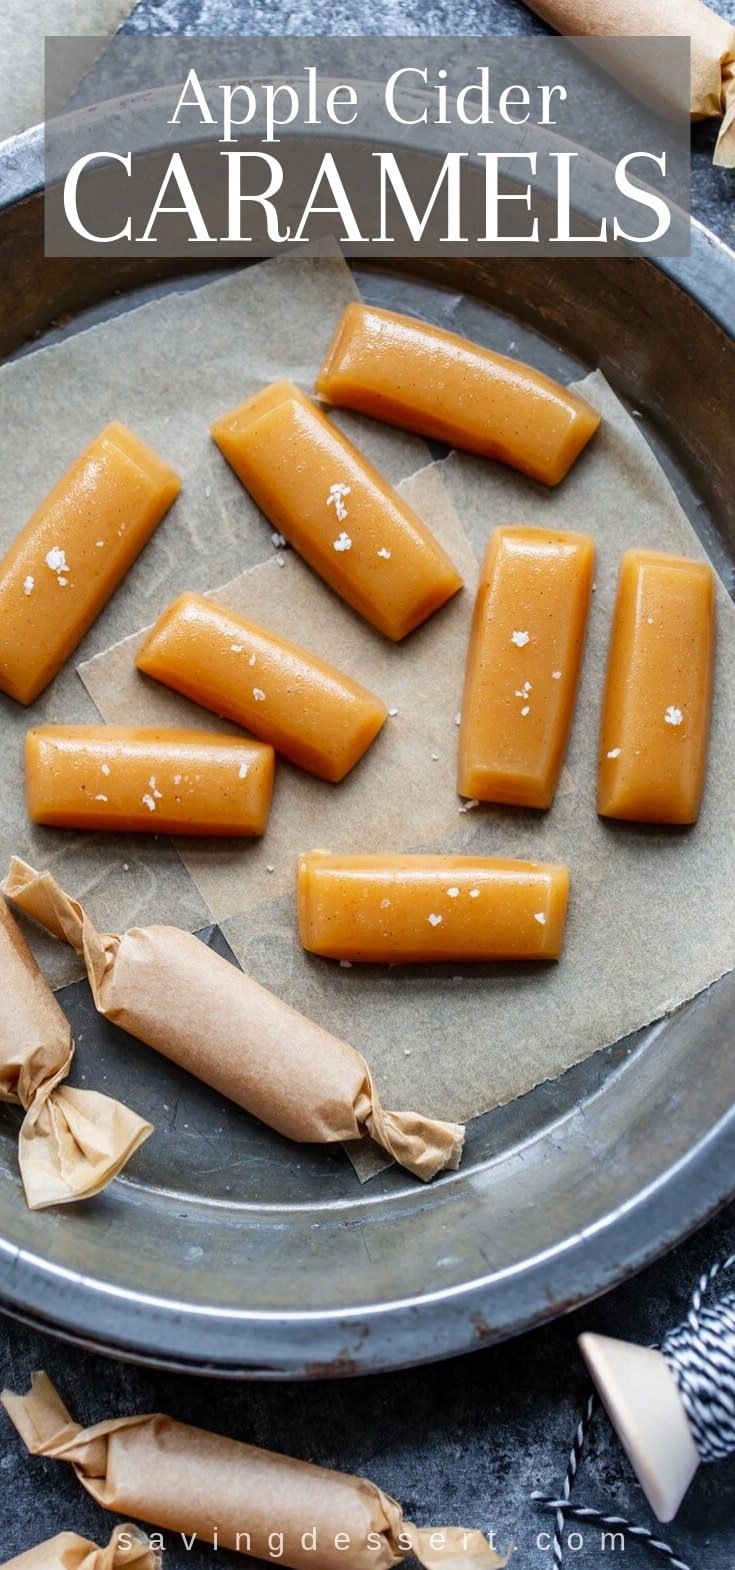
x=72, y=1142
x=712, y=43
x=189, y=1481
x=69, y=1551
x=166, y=988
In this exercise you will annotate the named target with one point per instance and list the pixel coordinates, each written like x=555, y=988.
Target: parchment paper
x=166, y=370
x=68, y=1551
x=641, y=935
x=712, y=50
x=24, y=27
x=403, y=790
x=235, y=1495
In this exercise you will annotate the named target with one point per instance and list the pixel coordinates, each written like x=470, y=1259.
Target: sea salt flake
x=393, y=712
x=258, y=694
x=540, y=917
x=345, y=964
x=385, y=904
x=28, y=584
x=474, y=893
x=342, y=542
x=56, y=559
x=458, y=719
x=100, y=798
x=525, y=710
x=519, y=639
x=279, y=541
x=335, y=499
x=435, y=757
x=269, y=867
x=434, y=919
x=673, y=716
x=468, y=805
x=237, y=648
x=152, y=786
x=556, y=675
x=99, y=544
x=453, y=893
x=384, y=552
x=614, y=752
x=148, y=802
x=177, y=779
x=62, y=582
x=243, y=771
x=104, y=768
x=280, y=561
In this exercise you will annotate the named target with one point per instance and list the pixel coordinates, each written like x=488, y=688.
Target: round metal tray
x=261, y=1258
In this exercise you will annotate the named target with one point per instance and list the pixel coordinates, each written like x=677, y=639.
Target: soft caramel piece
x=147, y=781
x=658, y=690
x=336, y=509
x=71, y=555
x=523, y=665
x=402, y=910
x=311, y=712
x=432, y=381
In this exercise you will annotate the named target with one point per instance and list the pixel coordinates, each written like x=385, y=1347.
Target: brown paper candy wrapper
x=712, y=41
x=72, y=1142
x=165, y=987
x=188, y=1481
x=68, y=1551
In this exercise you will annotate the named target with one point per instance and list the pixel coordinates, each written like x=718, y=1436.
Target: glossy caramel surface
x=70, y=557
x=658, y=690
x=308, y=710
x=523, y=664
x=429, y=380
x=400, y=910
x=336, y=509
x=147, y=781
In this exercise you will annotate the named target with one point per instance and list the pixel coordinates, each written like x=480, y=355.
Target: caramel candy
x=658, y=690
x=432, y=381
x=71, y=555
x=402, y=910
x=523, y=665
x=336, y=509
x=147, y=781
x=311, y=712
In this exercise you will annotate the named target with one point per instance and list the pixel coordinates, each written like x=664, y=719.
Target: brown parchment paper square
x=402, y=793
x=652, y=911
x=166, y=369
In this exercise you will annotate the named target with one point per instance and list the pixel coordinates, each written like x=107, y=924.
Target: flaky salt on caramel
x=69, y=1551
x=72, y=1142
x=401, y=910
x=220, y=1490
x=142, y=781
x=658, y=690
x=71, y=555
x=523, y=665
x=336, y=509
x=165, y=987
x=432, y=381
x=312, y=713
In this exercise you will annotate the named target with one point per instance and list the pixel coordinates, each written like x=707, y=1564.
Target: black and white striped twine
x=701, y=1356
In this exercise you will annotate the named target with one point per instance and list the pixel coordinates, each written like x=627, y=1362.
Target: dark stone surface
x=460, y=1442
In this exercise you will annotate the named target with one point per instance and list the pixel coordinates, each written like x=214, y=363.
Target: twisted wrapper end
x=425, y=1146
x=724, y=154
x=74, y=1142
x=68, y=1551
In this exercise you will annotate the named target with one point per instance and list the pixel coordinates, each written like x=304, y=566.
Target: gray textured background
x=463, y=1441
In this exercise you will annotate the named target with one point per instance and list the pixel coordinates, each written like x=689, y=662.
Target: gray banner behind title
x=395, y=147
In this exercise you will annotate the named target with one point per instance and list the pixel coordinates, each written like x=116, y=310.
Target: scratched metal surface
x=225, y=1247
